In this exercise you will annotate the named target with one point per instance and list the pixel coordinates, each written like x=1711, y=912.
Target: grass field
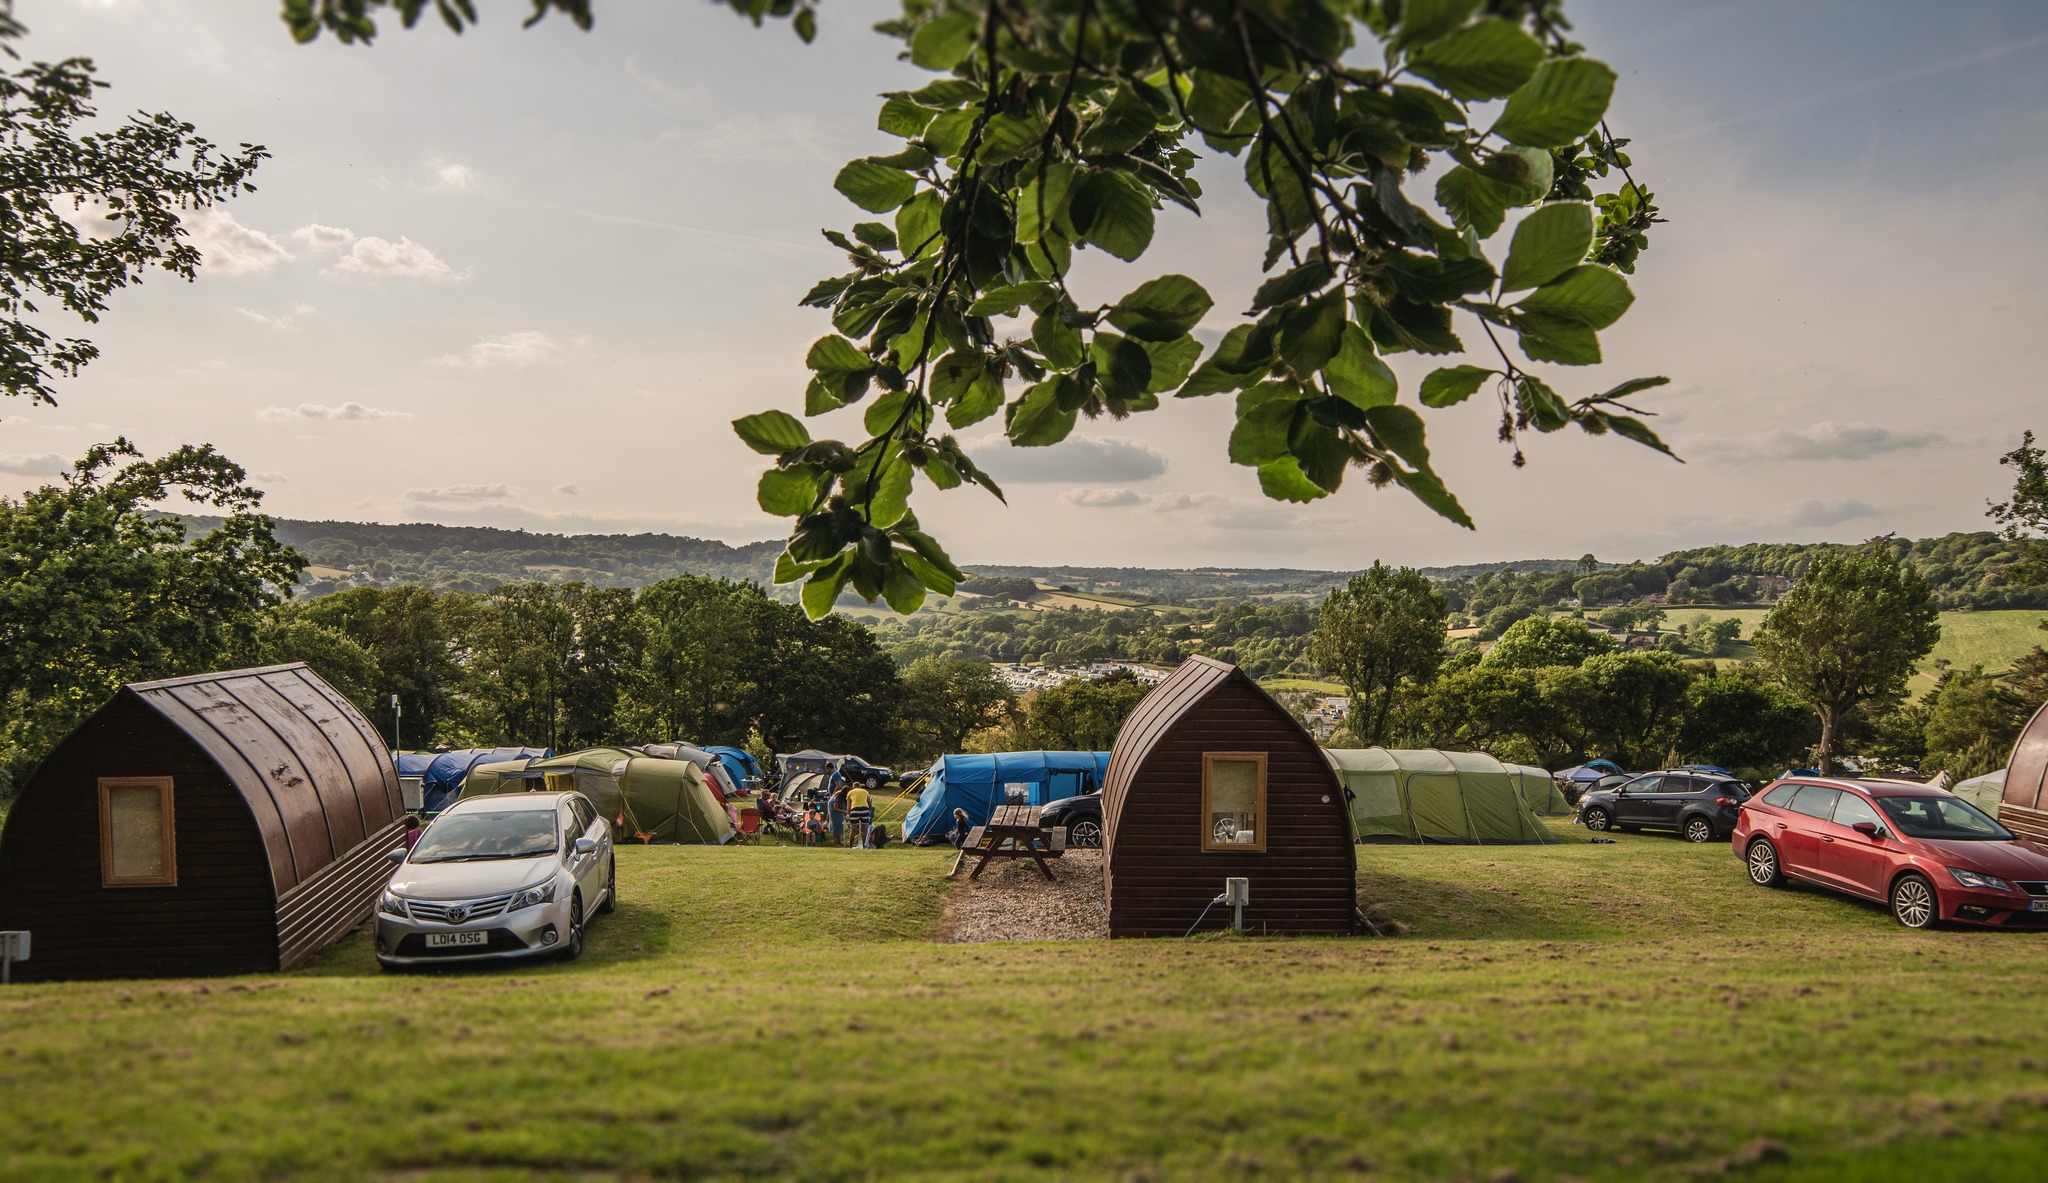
x=1993, y=640
x=1310, y=685
x=1613, y=1012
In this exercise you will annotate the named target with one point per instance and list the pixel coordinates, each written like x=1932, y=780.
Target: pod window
x=138, y=832
x=1234, y=801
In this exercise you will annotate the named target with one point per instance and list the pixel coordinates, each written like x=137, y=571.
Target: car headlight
x=1979, y=879
x=544, y=893
x=391, y=905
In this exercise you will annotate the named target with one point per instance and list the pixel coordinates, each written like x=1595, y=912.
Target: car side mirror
x=397, y=856
x=585, y=845
x=1870, y=830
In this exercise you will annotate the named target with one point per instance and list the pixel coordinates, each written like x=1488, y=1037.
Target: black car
x=856, y=771
x=1082, y=816
x=1698, y=805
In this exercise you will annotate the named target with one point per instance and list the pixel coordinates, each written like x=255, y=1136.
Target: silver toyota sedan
x=498, y=878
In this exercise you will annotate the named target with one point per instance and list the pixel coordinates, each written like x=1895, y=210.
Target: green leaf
x=805, y=24
x=1558, y=105
x=836, y=355
x=917, y=225
x=1632, y=386
x=1399, y=430
x=881, y=417
x=942, y=94
x=822, y=589
x=943, y=43
x=1121, y=365
x=1219, y=103
x=771, y=433
x=901, y=117
x=1162, y=309
x=1357, y=375
x=1479, y=201
x=982, y=398
x=1007, y=137
x=927, y=574
x=1486, y=60
x=1534, y=398
x=1036, y=419
x=1311, y=334
x=1549, y=242
x=902, y=588
x=1057, y=340
x=1265, y=414
x=1429, y=490
x=876, y=188
x=1311, y=276
x=1453, y=385
x=1282, y=480
x=876, y=235
x=1320, y=451
x=1423, y=21
x=1552, y=338
x=1171, y=361
x=1244, y=355
x=1122, y=126
x=1113, y=213
x=789, y=570
x=1047, y=194
x=787, y=492
x=891, y=498
x=1590, y=295
x=948, y=134
x=822, y=394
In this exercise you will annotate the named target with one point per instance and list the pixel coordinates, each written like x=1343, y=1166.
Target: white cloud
x=40, y=464
x=1081, y=461
x=1102, y=498
x=1826, y=440
x=284, y=321
x=462, y=493
x=455, y=176
x=524, y=348
x=230, y=248
x=1829, y=511
x=404, y=259
x=568, y=490
x=271, y=477
x=346, y=412
x=324, y=238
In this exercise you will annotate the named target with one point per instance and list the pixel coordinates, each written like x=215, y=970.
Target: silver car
x=498, y=878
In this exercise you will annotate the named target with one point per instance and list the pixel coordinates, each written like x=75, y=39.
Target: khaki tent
x=647, y=798
x=1984, y=792
x=1540, y=790
x=1449, y=797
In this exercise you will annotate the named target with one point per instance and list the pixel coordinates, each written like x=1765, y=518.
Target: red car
x=1930, y=855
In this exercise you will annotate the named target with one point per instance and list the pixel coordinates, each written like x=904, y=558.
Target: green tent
x=1986, y=792
x=1540, y=790
x=648, y=798
x=1432, y=796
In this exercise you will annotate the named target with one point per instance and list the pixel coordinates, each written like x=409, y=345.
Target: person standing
x=860, y=814
x=835, y=810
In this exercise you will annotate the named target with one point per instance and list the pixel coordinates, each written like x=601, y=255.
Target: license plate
x=2037, y=905
x=448, y=940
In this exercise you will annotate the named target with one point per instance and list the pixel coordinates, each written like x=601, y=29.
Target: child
x=960, y=829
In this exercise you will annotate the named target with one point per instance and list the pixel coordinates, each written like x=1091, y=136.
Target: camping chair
x=750, y=824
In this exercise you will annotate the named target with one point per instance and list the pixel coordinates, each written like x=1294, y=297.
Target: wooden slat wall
x=2026, y=776
x=332, y=903
x=1158, y=877
x=220, y=918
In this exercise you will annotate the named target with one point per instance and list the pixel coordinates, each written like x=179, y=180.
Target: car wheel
x=1913, y=902
x=573, y=947
x=873, y=783
x=1699, y=829
x=611, y=890
x=1086, y=832
x=1596, y=818
x=1762, y=858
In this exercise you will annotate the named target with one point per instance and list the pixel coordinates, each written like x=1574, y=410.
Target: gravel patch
x=1013, y=902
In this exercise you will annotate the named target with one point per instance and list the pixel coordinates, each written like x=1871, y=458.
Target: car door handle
x=1827, y=838
x=1781, y=825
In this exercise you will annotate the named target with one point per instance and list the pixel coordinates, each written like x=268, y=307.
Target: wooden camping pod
x=224, y=823
x=1164, y=859
x=2024, y=807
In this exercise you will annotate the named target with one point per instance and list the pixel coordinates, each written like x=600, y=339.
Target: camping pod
x=2024, y=809
x=225, y=823
x=648, y=799
x=979, y=783
x=1211, y=780
x=1464, y=798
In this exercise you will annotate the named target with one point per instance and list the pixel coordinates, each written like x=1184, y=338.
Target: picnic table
x=1012, y=832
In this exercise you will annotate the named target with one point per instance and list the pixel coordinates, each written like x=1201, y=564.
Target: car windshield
x=472, y=837
x=1950, y=818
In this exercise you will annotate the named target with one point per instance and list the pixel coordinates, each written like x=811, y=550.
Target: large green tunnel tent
x=648, y=799
x=1449, y=797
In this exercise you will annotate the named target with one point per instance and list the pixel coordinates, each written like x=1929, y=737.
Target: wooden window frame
x=1260, y=827
x=168, y=796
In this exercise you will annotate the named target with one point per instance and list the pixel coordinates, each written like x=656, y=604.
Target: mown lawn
x=1613, y=1012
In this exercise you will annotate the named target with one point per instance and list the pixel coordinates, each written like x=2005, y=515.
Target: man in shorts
x=860, y=813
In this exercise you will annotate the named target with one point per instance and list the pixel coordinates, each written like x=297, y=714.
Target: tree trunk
x=1827, y=742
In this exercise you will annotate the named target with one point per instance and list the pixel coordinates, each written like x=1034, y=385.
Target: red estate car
x=1930, y=855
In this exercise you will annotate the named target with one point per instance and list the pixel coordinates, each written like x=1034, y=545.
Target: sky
x=527, y=279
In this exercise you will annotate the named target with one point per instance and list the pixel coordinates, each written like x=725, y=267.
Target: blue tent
x=978, y=784
x=1590, y=771
x=445, y=772
x=737, y=762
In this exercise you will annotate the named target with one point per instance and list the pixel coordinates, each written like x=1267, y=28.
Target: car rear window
x=1782, y=796
x=1815, y=801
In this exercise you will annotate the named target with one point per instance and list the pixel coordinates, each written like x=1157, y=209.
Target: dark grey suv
x=1699, y=806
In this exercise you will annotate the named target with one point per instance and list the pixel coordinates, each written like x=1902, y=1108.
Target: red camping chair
x=750, y=824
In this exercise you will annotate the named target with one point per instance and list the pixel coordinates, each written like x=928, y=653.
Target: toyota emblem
x=458, y=914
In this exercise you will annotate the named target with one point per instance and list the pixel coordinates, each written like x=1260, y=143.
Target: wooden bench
x=1012, y=832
